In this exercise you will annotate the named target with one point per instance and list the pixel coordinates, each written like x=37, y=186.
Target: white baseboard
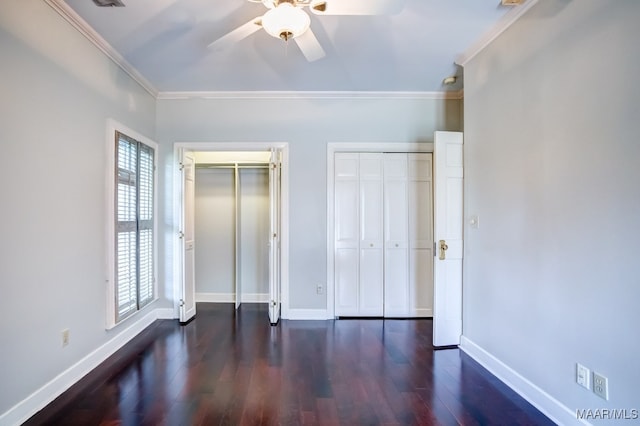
x=231, y=297
x=166, y=313
x=305, y=314
x=544, y=402
x=35, y=402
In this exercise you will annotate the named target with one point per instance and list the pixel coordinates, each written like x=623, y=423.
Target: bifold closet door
x=408, y=224
x=359, y=257
x=420, y=202
x=347, y=233
x=371, y=283
x=396, y=231
x=383, y=234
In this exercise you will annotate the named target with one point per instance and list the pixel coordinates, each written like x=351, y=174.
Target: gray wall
x=215, y=226
x=552, y=169
x=58, y=91
x=215, y=236
x=307, y=125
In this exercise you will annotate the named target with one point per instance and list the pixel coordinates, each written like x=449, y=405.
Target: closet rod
x=232, y=166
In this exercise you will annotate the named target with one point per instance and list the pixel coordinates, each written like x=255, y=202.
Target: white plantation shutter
x=134, y=225
x=145, y=226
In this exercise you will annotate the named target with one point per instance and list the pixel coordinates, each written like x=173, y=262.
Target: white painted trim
x=35, y=402
x=309, y=95
x=307, y=314
x=166, y=313
x=231, y=297
x=284, y=240
x=216, y=297
x=255, y=298
x=86, y=30
x=537, y=397
x=501, y=26
x=332, y=148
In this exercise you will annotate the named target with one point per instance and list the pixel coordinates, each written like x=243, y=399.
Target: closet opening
x=230, y=232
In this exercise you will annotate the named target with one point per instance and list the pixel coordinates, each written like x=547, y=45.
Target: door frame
x=332, y=148
x=284, y=209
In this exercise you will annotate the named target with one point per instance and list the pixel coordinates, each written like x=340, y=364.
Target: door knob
x=443, y=249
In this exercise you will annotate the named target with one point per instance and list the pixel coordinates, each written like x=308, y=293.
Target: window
x=134, y=230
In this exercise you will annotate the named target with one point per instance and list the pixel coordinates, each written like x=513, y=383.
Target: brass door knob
x=443, y=249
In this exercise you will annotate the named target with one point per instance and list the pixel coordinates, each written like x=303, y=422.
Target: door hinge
x=181, y=235
x=181, y=166
x=181, y=303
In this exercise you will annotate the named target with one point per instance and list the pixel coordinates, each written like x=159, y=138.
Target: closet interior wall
x=232, y=232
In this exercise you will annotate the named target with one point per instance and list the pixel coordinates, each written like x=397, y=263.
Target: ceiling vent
x=109, y=3
x=505, y=2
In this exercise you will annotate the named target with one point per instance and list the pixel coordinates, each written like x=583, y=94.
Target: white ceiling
x=165, y=44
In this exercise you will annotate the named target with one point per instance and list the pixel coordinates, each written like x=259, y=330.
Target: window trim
x=114, y=127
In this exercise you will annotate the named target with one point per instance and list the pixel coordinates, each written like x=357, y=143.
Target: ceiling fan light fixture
x=285, y=21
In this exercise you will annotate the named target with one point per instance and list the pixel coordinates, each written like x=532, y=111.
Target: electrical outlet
x=319, y=289
x=601, y=386
x=65, y=337
x=582, y=376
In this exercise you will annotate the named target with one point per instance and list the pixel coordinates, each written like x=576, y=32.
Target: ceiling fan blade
x=310, y=46
x=242, y=32
x=356, y=7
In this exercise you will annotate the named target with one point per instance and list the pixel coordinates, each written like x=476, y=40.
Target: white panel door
x=448, y=199
x=274, y=244
x=188, y=288
x=396, y=262
x=371, y=283
x=347, y=235
x=420, y=235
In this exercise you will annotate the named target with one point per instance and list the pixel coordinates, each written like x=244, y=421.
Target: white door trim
x=177, y=195
x=332, y=148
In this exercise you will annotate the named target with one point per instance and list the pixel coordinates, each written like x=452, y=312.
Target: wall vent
x=109, y=3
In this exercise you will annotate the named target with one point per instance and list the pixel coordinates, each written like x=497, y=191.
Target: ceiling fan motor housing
x=286, y=21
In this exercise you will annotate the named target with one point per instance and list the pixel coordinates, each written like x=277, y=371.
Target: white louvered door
x=275, y=168
x=188, y=288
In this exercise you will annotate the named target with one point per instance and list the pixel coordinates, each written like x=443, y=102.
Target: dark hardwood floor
x=233, y=368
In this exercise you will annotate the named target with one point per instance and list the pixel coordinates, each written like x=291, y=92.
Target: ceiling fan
x=287, y=20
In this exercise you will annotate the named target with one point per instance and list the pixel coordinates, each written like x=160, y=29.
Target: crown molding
x=308, y=95
x=85, y=29
x=501, y=26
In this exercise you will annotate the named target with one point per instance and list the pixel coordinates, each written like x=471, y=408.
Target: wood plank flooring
x=233, y=368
